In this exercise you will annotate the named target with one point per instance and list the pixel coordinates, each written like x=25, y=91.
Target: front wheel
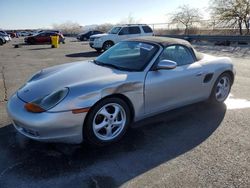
x=32, y=41
x=107, y=45
x=99, y=50
x=221, y=88
x=107, y=122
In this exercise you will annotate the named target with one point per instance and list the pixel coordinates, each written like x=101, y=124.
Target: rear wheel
x=221, y=88
x=107, y=45
x=107, y=122
x=1, y=42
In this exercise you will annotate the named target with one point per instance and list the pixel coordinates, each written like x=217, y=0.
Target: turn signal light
x=31, y=107
x=78, y=111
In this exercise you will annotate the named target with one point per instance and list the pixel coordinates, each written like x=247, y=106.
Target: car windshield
x=128, y=56
x=3, y=32
x=114, y=30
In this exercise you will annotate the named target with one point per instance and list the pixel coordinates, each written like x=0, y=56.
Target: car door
x=123, y=34
x=41, y=38
x=90, y=33
x=167, y=89
x=47, y=39
x=129, y=32
x=134, y=31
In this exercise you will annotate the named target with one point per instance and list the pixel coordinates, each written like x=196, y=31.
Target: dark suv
x=85, y=36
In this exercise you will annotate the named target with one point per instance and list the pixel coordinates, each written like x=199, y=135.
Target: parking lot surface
x=200, y=145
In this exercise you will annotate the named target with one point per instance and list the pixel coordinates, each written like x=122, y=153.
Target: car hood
x=99, y=35
x=85, y=74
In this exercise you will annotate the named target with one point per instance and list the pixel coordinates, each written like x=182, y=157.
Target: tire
x=1, y=42
x=106, y=122
x=99, y=50
x=107, y=45
x=32, y=41
x=221, y=89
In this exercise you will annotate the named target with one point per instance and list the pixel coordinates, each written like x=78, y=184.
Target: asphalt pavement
x=200, y=145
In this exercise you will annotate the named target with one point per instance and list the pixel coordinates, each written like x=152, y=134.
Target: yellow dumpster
x=55, y=41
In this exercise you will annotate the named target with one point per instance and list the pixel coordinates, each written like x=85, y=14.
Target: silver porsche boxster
x=97, y=100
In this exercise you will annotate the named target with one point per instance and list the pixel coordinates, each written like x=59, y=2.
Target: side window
x=50, y=34
x=42, y=35
x=147, y=29
x=180, y=54
x=134, y=30
x=124, y=31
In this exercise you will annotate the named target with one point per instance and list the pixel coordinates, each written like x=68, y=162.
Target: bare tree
x=232, y=13
x=247, y=15
x=186, y=16
x=104, y=27
x=68, y=28
x=129, y=20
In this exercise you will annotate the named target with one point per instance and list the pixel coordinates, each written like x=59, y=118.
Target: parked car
x=86, y=35
x=24, y=33
x=42, y=31
x=4, y=35
x=3, y=32
x=43, y=38
x=104, y=41
x=97, y=100
x=12, y=34
x=54, y=31
x=2, y=40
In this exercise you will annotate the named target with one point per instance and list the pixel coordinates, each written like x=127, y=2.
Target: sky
x=34, y=14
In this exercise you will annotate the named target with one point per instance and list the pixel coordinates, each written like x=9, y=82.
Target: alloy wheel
x=109, y=121
x=222, y=88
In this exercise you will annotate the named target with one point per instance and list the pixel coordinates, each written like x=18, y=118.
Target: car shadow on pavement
x=84, y=54
x=148, y=144
x=44, y=48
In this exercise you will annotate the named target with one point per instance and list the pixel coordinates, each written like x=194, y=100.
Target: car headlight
x=47, y=102
x=99, y=39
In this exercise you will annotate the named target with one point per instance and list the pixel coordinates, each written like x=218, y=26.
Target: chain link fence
x=204, y=27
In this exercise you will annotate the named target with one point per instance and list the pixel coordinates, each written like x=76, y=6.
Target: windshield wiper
x=111, y=66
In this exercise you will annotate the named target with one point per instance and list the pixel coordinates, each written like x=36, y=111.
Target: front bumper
x=63, y=127
x=6, y=38
x=95, y=44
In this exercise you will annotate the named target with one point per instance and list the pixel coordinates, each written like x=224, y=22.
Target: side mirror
x=166, y=65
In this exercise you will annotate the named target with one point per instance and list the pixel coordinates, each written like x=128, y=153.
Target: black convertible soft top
x=167, y=41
